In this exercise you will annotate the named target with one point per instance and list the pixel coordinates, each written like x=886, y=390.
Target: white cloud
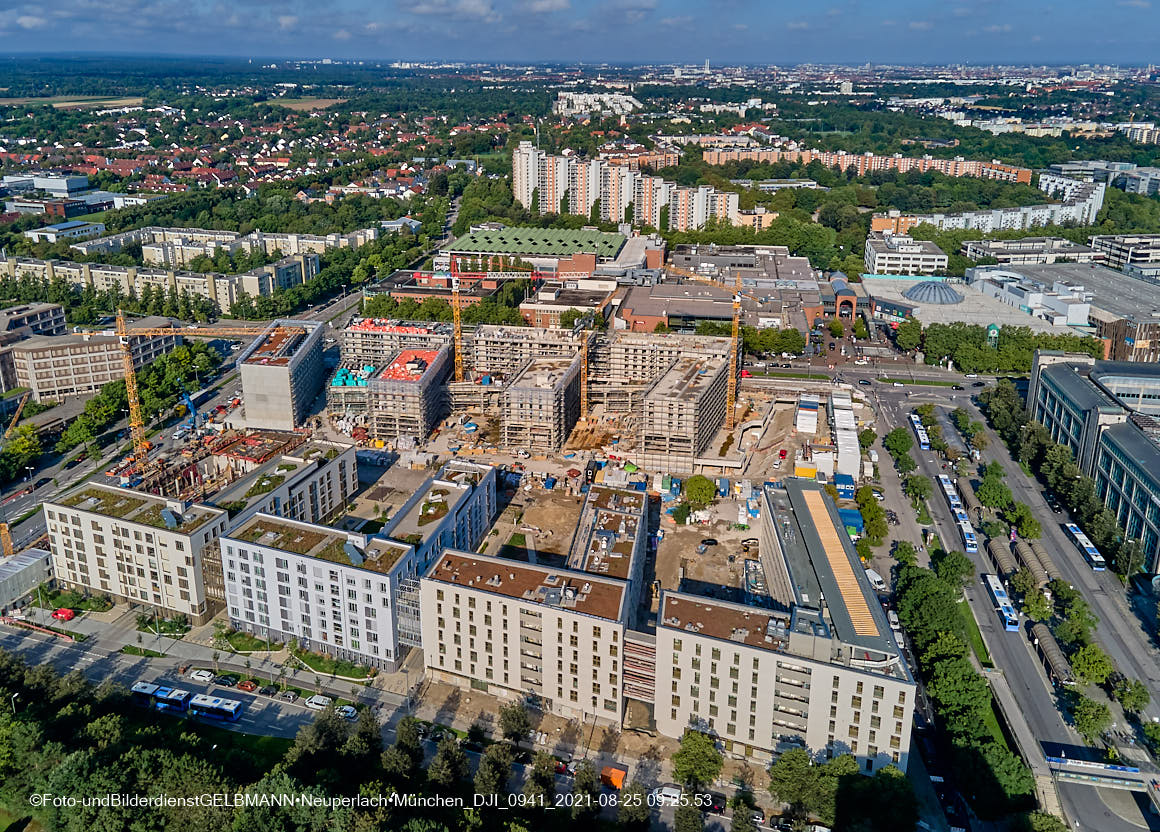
x=545, y=6
x=1135, y=4
x=797, y=25
x=341, y=34
x=680, y=20
x=29, y=21
x=479, y=9
x=920, y=25
x=996, y=28
x=287, y=22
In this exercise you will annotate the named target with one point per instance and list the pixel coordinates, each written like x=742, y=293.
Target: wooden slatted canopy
x=852, y=595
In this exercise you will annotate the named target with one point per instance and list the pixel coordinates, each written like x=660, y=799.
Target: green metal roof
x=545, y=242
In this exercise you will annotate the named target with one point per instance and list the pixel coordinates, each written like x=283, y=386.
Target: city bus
x=213, y=707
x=143, y=693
x=970, y=541
x=1003, y=607
x=1090, y=553
x=172, y=699
x=920, y=432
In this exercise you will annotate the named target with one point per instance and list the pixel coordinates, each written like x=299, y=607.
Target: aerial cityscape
x=410, y=424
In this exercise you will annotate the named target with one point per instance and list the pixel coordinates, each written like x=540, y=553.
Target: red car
x=64, y=614
x=781, y=454
x=248, y=686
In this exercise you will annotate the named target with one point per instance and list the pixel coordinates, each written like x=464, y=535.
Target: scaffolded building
x=541, y=404
x=404, y=397
x=681, y=413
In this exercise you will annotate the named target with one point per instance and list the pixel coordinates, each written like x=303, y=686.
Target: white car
x=318, y=702
x=892, y=617
x=347, y=712
x=201, y=676
x=776, y=464
x=669, y=795
x=898, y=384
x=971, y=375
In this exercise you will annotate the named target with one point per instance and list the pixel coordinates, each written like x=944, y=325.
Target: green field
x=974, y=637
x=922, y=381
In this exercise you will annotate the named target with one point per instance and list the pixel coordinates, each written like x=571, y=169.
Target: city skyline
x=730, y=31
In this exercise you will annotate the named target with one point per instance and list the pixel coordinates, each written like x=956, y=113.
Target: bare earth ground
x=305, y=104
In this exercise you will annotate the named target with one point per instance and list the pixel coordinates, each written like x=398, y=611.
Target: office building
x=39, y=318
x=565, y=252
x=1137, y=254
x=1032, y=251
x=681, y=413
x=135, y=548
x=54, y=184
x=555, y=297
x=20, y=574
x=1108, y=414
x=71, y=230
x=1059, y=302
x=282, y=373
x=888, y=253
x=56, y=367
x=541, y=404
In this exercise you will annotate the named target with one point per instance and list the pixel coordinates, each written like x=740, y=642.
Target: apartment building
x=40, y=318
x=134, y=547
x=332, y=592
x=864, y=163
x=541, y=404
x=888, y=253
x=59, y=366
x=404, y=397
x=1129, y=251
x=681, y=413
x=377, y=340
x=282, y=373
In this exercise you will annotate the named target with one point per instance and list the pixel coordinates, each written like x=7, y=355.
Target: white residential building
x=888, y=253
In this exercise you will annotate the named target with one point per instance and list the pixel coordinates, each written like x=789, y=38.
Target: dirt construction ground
x=705, y=573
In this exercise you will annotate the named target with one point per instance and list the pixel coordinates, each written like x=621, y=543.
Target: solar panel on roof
x=844, y=576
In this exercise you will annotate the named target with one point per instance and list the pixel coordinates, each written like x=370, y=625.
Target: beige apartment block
x=681, y=413
x=134, y=547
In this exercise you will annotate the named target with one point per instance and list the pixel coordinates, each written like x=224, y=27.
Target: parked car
x=288, y=696
x=957, y=387
x=715, y=803
x=782, y=454
x=864, y=381
x=226, y=680
x=248, y=686
x=64, y=614
x=205, y=676
x=667, y=795
x=318, y=702
x=268, y=690
x=709, y=541
x=347, y=712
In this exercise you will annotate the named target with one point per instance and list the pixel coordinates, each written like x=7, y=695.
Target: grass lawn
x=516, y=548
x=974, y=637
x=923, y=381
x=328, y=666
x=11, y=821
x=53, y=599
x=246, y=643
x=134, y=650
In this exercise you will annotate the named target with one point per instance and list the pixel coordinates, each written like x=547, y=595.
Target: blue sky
x=756, y=31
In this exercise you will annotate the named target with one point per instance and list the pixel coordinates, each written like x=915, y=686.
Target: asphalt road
x=1011, y=652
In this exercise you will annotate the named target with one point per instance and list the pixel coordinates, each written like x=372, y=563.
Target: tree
x=569, y=317
x=1132, y=695
x=898, y=442
x=698, y=761
x=792, y=778
x=1020, y=516
x=944, y=646
x=1091, y=718
x=837, y=328
x=586, y=787
x=540, y=784
x=1036, y=606
x=408, y=741
x=688, y=819
x=908, y=335
x=954, y=569
x=514, y=722
x=1024, y=583
x=906, y=463
x=634, y=813
x=700, y=490
x=866, y=438
x=927, y=606
x=961, y=694
x=1092, y=664
x=994, y=493
x=449, y=764
x=905, y=553
x=495, y=767
x=860, y=330
x=918, y=488
x=1041, y=822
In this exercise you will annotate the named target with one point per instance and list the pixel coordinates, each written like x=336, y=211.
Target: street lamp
x=29, y=469
x=15, y=696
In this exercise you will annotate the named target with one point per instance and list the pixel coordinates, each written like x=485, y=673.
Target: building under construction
x=404, y=397
x=681, y=413
x=282, y=373
x=541, y=404
x=377, y=340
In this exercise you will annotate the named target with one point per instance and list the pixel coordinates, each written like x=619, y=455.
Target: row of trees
x=87, y=305
x=499, y=308
x=966, y=345
x=1031, y=444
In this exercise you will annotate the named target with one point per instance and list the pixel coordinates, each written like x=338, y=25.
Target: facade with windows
x=1127, y=475
x=135, y=548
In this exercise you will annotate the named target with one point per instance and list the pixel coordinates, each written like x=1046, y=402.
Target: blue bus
x=143, y=693
x=1007, y=616
x=920, y=432
x=1090, y=553
x=172, y=699
x=213, y=707
x=970, y=541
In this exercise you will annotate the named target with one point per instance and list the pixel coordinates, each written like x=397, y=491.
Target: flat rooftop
x=553, y=588
x=1115, y=292
x=543, y=242
x=975, y=307
x=277, y=348
x=424, y=515
x=542, y=374
x=607, y=534
x=408, y=365
x=378, y=554
x=390, y=327
x=687, y=379
x=95, y=337
x=576, y=298
x=723, y=620
x=139, y=507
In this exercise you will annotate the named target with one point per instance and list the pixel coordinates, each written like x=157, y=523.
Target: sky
x=624, y=31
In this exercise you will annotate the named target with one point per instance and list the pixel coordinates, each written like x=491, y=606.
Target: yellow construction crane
x=457, y=326
x=734, y=340
x=124, y=334
x=16, y=416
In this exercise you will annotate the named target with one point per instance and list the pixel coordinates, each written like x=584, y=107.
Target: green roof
x=547, y=242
